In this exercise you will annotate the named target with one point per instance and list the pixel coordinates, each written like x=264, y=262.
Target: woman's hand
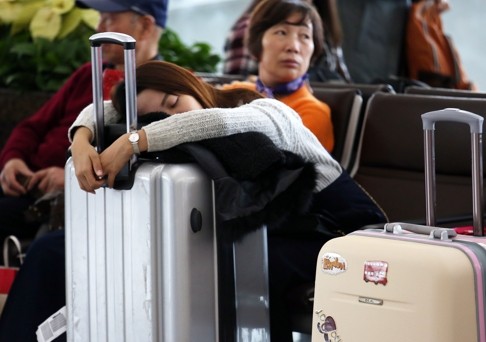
x=115, y=157
x=93, y=169
x=87, y=162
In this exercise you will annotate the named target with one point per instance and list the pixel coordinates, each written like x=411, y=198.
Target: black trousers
x=38, y=290
x=341, y=207
x=12, y=218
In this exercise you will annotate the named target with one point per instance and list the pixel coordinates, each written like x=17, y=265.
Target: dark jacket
x=256, y=183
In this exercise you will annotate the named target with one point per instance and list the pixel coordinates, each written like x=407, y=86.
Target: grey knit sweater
x=268, y=116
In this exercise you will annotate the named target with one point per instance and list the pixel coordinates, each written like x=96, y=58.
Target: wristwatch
x=134, y=138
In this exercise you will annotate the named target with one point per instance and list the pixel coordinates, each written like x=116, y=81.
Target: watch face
x=133, y=137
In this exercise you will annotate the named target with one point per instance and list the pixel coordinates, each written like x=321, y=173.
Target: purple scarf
x=281, y=89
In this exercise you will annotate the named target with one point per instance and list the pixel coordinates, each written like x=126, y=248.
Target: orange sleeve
x=239, y=84
x=315, y=115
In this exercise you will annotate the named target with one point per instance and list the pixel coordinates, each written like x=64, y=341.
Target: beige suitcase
x=406, y=282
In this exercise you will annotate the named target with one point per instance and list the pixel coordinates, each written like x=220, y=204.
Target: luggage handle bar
x=128, y=44
x=475, y=123
x=433, y=232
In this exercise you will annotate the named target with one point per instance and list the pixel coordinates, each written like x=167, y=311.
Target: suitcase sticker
x=333, y=263
x=375, y=272
x=327, y=327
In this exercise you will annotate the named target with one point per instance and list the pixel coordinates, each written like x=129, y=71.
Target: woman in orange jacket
x=285, y=37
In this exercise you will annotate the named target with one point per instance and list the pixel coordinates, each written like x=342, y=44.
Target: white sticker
x=333, y=263
x=52, y=327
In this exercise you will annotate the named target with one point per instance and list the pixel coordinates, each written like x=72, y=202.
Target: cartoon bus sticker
x=376, y=272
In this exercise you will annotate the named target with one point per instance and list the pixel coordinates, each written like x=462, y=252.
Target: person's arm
x=38, y=140
x=86, y=160
x=34, y=155
x=266, y=116
x=117, y=155
x=86, y=119
x=318, y=119
x=190, y=126
x=315, y=114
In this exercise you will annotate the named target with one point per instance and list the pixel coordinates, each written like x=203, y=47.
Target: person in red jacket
x=32, y=160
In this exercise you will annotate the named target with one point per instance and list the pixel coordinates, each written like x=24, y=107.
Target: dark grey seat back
x=345, y=107
x=365, y=91
x=444, y=92
x=390, y=162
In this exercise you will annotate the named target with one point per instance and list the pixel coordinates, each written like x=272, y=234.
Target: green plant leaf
x=197, y=57
x=91, y=18
x=27, y=49
x=69, y=22
x=62, y=6
x=46, y=23
x=23, y=15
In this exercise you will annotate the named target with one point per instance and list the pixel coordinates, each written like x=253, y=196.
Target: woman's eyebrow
x=300, y=23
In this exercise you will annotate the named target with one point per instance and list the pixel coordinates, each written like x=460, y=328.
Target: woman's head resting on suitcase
x=169, y=88
x=285, y=37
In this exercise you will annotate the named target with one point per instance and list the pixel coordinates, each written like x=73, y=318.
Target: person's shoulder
x=83, y=68
x=239, y=85
x=274, y=105
x=83, y=71
x=304, y=97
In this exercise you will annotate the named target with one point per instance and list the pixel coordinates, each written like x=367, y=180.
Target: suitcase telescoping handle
x=475, y=123
x=433, y=232
x=128, y=44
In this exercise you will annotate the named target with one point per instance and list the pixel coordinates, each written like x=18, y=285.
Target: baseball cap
x=155, y=8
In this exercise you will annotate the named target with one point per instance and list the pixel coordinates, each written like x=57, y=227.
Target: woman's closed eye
x=169, y=101
x=150, y=100
x=173, y=101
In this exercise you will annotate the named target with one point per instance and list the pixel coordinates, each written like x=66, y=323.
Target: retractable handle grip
x=128, y=44
x=123, y=39
x=435, y=232
x=475, y=123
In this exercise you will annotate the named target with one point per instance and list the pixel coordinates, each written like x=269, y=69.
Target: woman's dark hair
x=269, y=13
x=173, y=79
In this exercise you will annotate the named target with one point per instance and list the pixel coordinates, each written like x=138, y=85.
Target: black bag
x=47, y=210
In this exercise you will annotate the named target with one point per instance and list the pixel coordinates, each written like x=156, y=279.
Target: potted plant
x=43, y=41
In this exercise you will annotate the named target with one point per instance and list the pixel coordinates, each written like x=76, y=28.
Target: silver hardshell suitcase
x=143, y=261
